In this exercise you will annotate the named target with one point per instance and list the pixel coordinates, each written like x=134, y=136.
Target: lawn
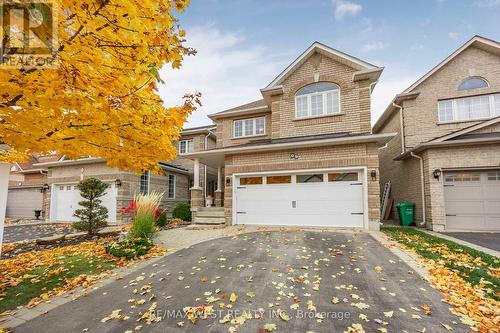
x=469, y=279
x=475, y=267
x=37, y=275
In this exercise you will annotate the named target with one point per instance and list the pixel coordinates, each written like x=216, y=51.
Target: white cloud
x=385, y=91
x=225, y=70
x=453, y=35
x=487, y=3
x=344, y=7
x=373, y=46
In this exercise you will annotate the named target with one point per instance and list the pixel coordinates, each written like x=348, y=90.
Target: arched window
x=317, y=99
x=473, y=82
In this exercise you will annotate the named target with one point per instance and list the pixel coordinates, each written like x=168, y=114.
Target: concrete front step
x=209, y=220
x=210, y=214
x=211, y=209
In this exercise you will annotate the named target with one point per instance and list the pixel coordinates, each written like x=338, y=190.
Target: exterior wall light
x=45, y=187
x=436, y=173
x=373, y=174
x=118, y=182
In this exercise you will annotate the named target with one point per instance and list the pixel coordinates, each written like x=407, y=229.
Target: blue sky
x=243, y=44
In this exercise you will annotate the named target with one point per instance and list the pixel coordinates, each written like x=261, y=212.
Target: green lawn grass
x=425, y=245
x=40, y=280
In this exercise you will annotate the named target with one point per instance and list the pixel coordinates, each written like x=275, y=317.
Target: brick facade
x=354, y=114
x=356, y=155
x=420, y=119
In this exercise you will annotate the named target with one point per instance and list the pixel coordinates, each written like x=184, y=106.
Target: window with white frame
x=249, y=127
x=473, y=82
x=469, y=108
x=317, y=99
x=171, y=186
x=185, y=146
x=144, y=183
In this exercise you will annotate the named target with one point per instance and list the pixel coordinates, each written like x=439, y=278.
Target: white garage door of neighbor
x=22, y=202
x=333, y=199
x=472, y=200
x=66, y=197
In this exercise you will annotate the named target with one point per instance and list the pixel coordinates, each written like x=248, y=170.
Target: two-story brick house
x=304, y=155
x=446, y=155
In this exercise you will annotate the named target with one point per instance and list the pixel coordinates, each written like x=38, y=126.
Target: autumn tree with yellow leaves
x=100, y=99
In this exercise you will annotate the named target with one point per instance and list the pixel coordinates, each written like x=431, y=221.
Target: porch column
x=218, y=192
x=196, y=190
x=4, y=189
x=196, y=183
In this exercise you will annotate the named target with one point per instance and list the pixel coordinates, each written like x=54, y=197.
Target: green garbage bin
x=406, y=213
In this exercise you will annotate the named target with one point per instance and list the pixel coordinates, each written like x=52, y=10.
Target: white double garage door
x=65, y=198
x=472, y=200
x=335, y=198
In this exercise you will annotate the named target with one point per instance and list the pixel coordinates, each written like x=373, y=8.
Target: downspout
x=401, y=125
x=422, y=185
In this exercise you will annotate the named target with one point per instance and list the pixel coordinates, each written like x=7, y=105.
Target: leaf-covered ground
x=470, y=279
x=35, y=276
x=289, y=281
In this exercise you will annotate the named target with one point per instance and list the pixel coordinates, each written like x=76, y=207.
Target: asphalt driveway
x=489, y=240
x=269, y=272
x=16, y=233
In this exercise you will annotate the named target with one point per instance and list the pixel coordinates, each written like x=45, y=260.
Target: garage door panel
x=472, y=201
x=475, y=207
x=66, y=199
x=492, y=192
x=312, y=204
x=302, y=219
x=492, y=222
x=458, y=192
x=22, y=202
x=492, y=207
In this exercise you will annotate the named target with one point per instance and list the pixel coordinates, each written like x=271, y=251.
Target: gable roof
x=478, y=41
x=484, y=43
x=323, y=49
x=198, y=129
x=464, y=136
x=467, y=130
x=257, y=106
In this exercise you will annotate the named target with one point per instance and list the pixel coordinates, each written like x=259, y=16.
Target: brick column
x=218, y=198
x=196, y=200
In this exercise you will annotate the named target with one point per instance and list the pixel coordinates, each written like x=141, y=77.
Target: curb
x=35, y=223
x=408, y=258
x=476, y=247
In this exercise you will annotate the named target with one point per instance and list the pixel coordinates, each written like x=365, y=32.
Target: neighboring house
x=304, y=155
x=62, y=177
x=196, y=139
x=446, y=156
x=27, y=187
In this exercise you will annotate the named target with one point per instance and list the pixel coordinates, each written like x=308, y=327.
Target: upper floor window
x=185, y=146
x=249, y=127
x=317, y=99
x=144, y=183
x=473, y=82
x=469, y=108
